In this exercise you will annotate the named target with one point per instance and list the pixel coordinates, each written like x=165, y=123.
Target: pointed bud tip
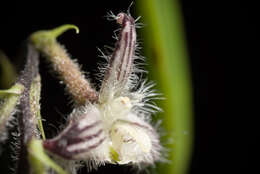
x=56, y=32
x=120, y=18
x=44, y=37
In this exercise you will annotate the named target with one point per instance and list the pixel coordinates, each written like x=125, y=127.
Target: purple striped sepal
x=80, y=138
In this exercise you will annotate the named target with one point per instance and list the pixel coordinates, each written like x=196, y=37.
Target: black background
x=219, y=34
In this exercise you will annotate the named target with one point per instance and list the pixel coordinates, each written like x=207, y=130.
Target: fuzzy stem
x=70, y=74
x=68, y=71
x=32, y=158
x=35, y=102
x=27, y=119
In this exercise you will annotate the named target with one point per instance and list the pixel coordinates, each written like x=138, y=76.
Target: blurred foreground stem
x=164, y=45
x=7, y=72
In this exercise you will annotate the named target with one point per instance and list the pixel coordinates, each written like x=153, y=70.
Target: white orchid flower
x=114, y=125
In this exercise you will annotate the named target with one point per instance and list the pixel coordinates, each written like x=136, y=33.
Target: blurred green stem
x=164, y=45
x=8, y=73
x=39, y=160
x=7, y=108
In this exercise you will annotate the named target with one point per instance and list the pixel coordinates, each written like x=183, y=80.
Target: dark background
x=219, y=34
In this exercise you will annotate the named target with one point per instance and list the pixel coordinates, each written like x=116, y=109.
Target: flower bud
x=121, y=61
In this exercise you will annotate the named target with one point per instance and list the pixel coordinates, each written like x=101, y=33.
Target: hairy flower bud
x=68, y=70
x=121, y=62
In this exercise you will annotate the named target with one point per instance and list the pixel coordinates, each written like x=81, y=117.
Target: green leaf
x=164, y=44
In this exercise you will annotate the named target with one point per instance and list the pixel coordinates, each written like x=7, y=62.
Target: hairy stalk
x=68, y=71
x=38, y=159
x=35, y=102
x=32, y=158
x=27, y=118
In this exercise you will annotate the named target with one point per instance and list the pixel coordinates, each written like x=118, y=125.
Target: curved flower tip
x=43, y=37
x=56, y=32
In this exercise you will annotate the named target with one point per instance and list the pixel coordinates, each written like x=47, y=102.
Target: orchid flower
x=111, y=125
